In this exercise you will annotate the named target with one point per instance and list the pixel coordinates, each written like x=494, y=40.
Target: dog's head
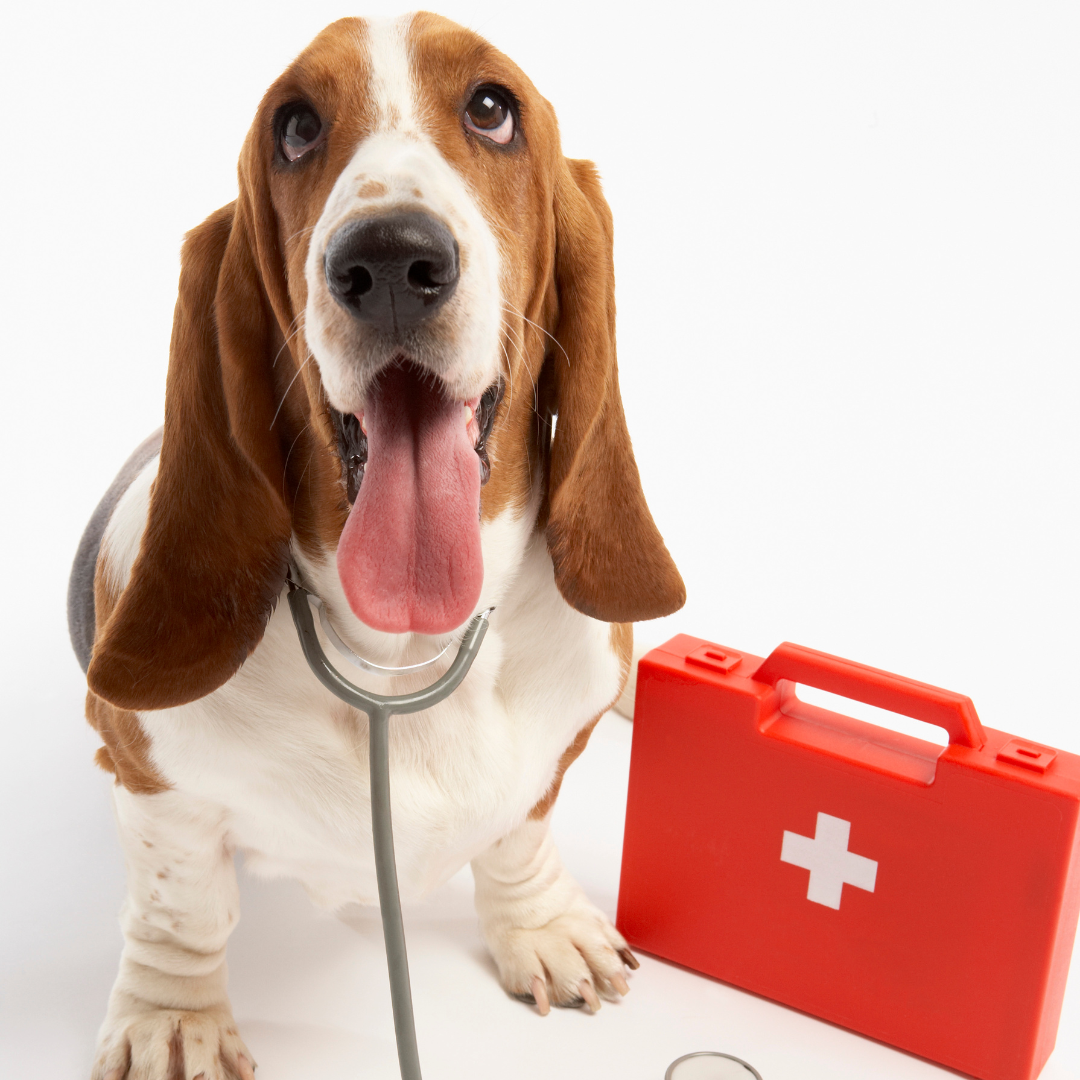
x=370, y=350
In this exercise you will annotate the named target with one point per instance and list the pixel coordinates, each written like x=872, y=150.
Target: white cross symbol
x=830, y=863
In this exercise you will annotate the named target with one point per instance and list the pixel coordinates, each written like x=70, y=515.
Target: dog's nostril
x=356, y=281
x=422, y=275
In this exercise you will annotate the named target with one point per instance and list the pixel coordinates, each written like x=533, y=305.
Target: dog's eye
x=488, y=114
x=301, y=129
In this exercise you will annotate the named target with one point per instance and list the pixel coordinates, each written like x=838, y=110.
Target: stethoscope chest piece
x=707, y=1065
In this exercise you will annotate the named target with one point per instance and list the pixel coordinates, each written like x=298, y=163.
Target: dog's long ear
x=610, y=560
x=215, y=551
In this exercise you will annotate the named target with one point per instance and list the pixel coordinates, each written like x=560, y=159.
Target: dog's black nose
x=394, y=270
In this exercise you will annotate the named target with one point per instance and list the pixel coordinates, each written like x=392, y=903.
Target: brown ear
x=215, y=550
x=610, y=560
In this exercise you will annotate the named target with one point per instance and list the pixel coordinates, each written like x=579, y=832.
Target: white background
x=848, y=251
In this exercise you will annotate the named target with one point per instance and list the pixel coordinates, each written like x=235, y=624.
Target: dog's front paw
x=573, y=960
x=145, y=1043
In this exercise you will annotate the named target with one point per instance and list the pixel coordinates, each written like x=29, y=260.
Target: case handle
x=954, y=712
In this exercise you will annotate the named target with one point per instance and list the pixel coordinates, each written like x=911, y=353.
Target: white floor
x=310, y=991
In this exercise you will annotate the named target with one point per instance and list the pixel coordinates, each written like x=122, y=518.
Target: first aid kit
x=925, y=896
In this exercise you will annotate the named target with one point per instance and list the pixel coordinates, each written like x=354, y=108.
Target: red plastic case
x=921, y=895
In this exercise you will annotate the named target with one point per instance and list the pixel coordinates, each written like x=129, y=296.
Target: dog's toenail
x=540, y=996
x=589, y=994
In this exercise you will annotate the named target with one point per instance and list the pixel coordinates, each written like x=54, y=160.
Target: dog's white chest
x=288, y=761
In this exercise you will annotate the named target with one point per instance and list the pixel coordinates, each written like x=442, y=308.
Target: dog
x=392, y=372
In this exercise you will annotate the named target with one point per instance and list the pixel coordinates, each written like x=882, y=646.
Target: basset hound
x=393, y=369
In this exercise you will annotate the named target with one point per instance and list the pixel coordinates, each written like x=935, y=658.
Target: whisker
x=521, y=314
x=301, y=480
x=519, y=348
x=509, y=374
x=521, y=352
x=310, y=357
x=289, y=338
x=300, y=232
x=285, y=469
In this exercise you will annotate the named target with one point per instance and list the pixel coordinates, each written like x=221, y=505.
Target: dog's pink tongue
x=409, y=555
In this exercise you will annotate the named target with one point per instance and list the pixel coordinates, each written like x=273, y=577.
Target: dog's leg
x=169, y=1015
x=551, y=944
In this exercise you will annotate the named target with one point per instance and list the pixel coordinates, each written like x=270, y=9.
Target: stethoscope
x=379, y=709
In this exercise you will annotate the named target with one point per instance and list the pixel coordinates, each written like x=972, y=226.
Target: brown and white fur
x=218, y=734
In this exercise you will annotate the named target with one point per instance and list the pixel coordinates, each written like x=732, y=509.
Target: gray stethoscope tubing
x=379, y=709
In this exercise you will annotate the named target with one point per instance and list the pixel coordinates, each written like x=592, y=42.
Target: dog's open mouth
x=409, y=556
